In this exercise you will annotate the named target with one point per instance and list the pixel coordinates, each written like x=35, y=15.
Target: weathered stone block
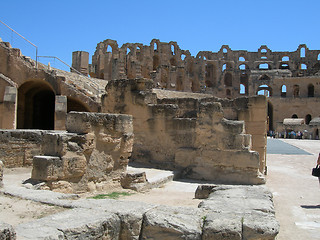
x=220, y=226
x=47, y=168
x=172, y=223
x=203, y=191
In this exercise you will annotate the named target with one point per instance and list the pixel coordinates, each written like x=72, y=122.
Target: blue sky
x=60, y=27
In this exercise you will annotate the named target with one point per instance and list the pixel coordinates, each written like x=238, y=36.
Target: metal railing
x=13, y=31
x=56, y=58
x=14, y=37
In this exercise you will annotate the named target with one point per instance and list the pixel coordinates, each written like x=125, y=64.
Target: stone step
x=154, y=177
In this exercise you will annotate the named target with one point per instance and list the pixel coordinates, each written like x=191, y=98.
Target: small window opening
x=285, y=59
x=225, y=50
x=264, y=66
x=183, y=56
x=296, y=91
x=242, y=59
x=283, y=91
x=242, y=89
x=173, y=50
x=302, y=52
x=224, y=67
x=242, y=67
x=109, y=49
x=310, y=90
x=303, y=66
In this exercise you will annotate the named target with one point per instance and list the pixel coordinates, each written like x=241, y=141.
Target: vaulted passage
x=36, y=104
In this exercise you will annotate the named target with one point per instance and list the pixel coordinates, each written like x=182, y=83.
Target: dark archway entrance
x=36, y=106
x=270, y=117
x=75, y=105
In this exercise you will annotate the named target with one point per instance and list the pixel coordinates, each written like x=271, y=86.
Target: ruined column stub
x=80, y=62
x=60, y=112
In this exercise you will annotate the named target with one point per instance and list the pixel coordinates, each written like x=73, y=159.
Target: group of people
x=290, y=134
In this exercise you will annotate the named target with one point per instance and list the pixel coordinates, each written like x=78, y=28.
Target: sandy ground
x=296, y=192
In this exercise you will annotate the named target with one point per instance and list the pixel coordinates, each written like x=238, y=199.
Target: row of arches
x=36, y=106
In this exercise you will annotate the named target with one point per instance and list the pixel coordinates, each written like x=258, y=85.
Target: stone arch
x=228, y=80
x=36, y=105
x=296, y=91
x=284, y=65
x=244, y=80
x=210, y=75
x=307, y=119
x=310, y=90
x=76, y=105
x=283, y=91
x=264, y=90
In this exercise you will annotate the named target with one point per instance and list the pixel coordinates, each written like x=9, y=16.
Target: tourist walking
x=318, y=164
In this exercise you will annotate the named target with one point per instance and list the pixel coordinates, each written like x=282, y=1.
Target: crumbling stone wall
x=187, y=133
x=25, y=85
x=283, y=76
x=97, y=148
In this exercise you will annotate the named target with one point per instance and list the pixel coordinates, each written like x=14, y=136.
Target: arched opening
x=303, y=66
x=294, y=116
x=283, y=91
x=242, y=59
x=109, y=49
x=228, y=80
x=155, y=47
x=319, y=56
x=302, y=52
x=242, y=89
x=296, y=91
x=263, y=50
x=242, y=67
x=76, y=105
x=36, y=106
x=224, y=67
x=183, y=56
x=210, y=75
x=285, y=59
x=264, y=66
x=284, y=66
x=310, y=90
x=244, y=81
x=225, y=50
x=156, y=62
x=173, y=51
x=264, y=90
x=270, y=117
x=308, y=119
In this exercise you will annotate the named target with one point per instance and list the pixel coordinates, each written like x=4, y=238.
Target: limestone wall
x=97, y=148
x=188, y=134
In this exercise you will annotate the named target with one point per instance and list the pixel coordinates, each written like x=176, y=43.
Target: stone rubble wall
x=97, y=148
x=188, y=134
x=230, y=212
